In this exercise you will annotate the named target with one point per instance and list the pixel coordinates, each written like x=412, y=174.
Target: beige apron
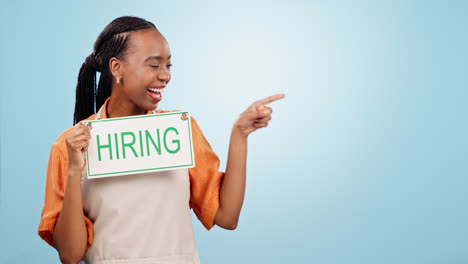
x=141, y=218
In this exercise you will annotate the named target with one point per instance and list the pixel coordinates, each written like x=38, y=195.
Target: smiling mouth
x=155, y=93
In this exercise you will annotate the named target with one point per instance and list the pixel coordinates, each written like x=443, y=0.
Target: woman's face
x=145, y=69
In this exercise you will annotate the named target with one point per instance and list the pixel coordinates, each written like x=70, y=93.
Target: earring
x=118, y=79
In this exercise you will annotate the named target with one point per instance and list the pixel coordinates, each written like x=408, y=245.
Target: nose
x=164, y=75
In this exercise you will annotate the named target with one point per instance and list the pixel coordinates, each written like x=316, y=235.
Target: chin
x=155, y=106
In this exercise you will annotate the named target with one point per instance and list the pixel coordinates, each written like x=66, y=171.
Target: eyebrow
x=156, y=57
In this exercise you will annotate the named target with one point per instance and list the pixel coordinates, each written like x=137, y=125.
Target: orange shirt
x=205, y=182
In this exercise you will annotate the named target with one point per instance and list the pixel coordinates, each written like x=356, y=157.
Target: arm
x=70, y=233
x=233, y=186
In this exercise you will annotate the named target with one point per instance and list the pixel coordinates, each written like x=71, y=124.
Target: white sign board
x=139, y=144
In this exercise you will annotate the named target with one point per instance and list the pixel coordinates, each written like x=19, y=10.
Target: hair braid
x=112, y=42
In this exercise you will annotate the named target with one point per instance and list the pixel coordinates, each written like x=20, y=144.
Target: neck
x=118, y=108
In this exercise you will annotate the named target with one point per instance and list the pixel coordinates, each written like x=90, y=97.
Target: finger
x=80, y=138
x=73, y=139
x=84, y=129
x=260, y=111
x=81, y=145
x=87, y=132
x=263, y=120
x=78, y=132
x=263, y=111
x=270, y=99
x=250, y=115
x=81, y=133
x=260, y=125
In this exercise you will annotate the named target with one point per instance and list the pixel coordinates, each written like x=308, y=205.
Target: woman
x=144, y=218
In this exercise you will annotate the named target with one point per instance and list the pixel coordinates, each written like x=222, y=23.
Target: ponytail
x=86, y=90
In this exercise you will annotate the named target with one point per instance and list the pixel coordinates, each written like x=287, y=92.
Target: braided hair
x=112, y=42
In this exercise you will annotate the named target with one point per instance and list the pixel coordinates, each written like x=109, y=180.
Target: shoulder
x=60, y=146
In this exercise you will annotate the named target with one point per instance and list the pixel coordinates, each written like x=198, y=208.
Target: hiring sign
x=139, y=144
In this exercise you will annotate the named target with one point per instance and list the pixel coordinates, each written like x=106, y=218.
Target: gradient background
x=365, y=160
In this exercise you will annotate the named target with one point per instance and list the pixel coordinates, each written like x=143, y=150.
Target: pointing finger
x=270, y=99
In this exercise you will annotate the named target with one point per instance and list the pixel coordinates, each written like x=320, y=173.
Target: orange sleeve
x=57, y=173
x=205, y=179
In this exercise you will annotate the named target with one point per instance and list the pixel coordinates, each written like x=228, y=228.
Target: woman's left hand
x=256, y=116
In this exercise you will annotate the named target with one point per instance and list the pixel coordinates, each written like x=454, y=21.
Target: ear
x=116, y=67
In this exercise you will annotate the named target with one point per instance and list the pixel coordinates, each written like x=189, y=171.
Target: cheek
x=142, y=76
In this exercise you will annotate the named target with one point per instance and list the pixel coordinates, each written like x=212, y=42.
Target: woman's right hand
x=77, y=144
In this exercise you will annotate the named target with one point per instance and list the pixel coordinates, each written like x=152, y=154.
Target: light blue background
x=365, y=161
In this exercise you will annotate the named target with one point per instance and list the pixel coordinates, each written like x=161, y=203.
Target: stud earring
x=118, y=79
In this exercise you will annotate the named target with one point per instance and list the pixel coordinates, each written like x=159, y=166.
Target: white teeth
x=155, y=90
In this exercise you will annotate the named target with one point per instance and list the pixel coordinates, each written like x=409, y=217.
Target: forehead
x=147, y=43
